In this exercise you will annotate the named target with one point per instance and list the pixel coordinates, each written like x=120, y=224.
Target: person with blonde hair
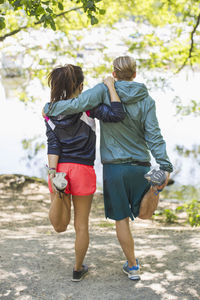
x=125, y=153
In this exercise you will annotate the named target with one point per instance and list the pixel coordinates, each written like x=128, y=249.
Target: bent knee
x=60, y=229
x=145, y=216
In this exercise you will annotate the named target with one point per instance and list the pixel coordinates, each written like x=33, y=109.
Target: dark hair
x=63, y=81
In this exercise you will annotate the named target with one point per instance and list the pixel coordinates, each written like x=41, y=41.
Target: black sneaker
x=79, y=275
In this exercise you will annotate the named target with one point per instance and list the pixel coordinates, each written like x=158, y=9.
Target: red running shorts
x=81, y=179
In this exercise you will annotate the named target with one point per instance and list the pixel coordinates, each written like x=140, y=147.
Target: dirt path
x=37, y=263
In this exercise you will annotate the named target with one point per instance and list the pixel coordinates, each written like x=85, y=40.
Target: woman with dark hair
x=71, y=154
x=130, y=190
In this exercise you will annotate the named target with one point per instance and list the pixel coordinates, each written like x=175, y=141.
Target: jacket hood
x=131, y=91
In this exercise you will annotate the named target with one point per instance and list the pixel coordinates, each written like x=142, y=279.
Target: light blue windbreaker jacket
x=128, y=140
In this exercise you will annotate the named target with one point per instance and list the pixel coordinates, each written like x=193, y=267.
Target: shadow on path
x=37, y=263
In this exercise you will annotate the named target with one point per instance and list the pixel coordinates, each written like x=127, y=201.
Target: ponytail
x=63, y=81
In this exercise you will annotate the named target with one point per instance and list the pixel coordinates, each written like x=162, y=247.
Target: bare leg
x=60, y=212
x=82, y=206
x=126, y=240
x=148, y=204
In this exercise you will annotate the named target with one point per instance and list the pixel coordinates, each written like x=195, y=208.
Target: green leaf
x=17, y=4
x=102, y=11
x=49, y=10
x=2, y=23
x=42, y=19
x=45, y=2
x=90, y=4
x=52, y=23
x=94, y=20
x=60, y=6
x=40, y=10
x=180, y=207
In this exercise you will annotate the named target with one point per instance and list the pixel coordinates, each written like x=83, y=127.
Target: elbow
x=123, y=116
x=116, y=119
x=120, y=117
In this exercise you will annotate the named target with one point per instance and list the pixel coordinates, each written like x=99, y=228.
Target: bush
x=192, y=208
x=170, y=217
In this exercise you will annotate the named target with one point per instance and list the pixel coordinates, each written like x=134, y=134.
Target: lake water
x=20, y=122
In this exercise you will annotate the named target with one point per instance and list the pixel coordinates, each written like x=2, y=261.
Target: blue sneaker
x=156, y=177
x=133, y=272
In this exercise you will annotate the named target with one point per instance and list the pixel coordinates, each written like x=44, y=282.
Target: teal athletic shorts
x=124, y=187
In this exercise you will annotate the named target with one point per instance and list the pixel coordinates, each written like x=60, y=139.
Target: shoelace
x=61, y=194
x=158, y=175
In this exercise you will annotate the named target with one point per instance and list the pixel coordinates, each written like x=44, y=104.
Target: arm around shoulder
x=105, y=113
x=86, y=101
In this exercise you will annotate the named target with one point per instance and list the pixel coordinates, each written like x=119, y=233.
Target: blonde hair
x=124, y=67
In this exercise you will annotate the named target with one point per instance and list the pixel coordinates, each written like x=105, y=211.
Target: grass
x=106, y=225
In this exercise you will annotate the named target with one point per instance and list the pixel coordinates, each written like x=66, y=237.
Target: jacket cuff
x=168, y=168
x=116, y=104
x=53, y=151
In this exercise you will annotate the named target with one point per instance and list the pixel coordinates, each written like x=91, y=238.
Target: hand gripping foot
x=156, y=177
x=60, y=182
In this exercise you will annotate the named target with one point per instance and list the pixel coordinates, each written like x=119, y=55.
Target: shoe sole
x=77, y=280
x=59, y=182
x=132, y=277
x=57, y=186
x=154, y=181
x=59, y=190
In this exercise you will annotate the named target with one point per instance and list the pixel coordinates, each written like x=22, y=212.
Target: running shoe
x=60, y=182
x=156, y=177
x=133, y=272
x=79, y=275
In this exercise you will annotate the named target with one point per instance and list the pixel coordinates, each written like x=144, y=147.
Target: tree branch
x=191, y=44
x=68, y=11
x=2, y=38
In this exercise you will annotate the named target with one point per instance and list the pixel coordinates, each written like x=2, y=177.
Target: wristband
x=157, y=192
x=51, y=170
